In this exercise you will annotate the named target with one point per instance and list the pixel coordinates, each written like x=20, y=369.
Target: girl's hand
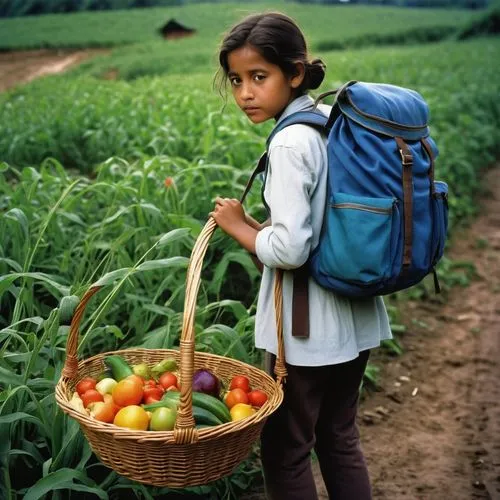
x=229, y=214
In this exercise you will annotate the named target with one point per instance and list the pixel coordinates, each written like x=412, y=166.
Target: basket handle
x=185, y=431
x=185, y=423
x=70, y=369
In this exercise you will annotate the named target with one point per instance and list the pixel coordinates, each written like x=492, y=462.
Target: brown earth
x=23, y=66
x=432, y=429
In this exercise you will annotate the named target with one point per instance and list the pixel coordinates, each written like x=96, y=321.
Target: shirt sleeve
x=286, y=244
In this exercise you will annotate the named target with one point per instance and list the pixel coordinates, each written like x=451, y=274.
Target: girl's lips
x=250, y=109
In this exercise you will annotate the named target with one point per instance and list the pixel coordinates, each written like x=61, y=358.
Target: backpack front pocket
x=357, y=238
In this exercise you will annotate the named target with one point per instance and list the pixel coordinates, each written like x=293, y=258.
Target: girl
x=265, y=60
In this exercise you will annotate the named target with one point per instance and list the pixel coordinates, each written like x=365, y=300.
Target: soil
x=19, y=67
x=431, y=430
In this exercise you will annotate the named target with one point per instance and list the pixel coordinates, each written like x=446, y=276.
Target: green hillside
x=110, y=28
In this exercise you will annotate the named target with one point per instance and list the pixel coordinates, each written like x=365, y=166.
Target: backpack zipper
x=365, y=208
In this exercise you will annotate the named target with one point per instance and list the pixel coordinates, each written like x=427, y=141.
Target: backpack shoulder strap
x=300, y=306
x=312, y=118
x=300, y=314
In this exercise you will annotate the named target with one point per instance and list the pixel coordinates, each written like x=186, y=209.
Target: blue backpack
x=386, y=221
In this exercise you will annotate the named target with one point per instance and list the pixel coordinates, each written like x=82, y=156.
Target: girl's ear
x=297, y=79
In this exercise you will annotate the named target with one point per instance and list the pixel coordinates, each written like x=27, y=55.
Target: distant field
x=146, y=54
x=112, y=28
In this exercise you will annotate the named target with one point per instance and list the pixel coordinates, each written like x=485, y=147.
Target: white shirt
x=296, y=192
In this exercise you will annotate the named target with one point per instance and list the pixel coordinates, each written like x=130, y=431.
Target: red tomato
x=257, y=398
x=150, y=399
x=128, y=391
x=168, y=379
x=91, y=396
x=85, y=385
x=236, y=396
x=240, y=382
x=152, y=392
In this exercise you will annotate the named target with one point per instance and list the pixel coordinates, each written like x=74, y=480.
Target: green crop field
x=140, y=25
x=110, y=182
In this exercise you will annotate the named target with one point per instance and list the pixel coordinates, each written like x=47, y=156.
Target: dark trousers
x=318, y=411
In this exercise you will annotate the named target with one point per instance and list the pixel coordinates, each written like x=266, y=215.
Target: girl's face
x=260, y=88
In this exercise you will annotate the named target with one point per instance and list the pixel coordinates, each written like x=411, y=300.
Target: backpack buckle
x=406, y=159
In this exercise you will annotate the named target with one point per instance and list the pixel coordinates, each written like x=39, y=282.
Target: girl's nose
x=246, y=91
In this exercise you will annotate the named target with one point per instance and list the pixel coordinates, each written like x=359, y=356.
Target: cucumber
x=210, y=403
x=204, y=417
x=118, y=366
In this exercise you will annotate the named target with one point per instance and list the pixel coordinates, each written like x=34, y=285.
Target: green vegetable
x=118, y=366
x=142, y=369
x=205, y=401
x=166, y=365
x=162, y=419
x=164, y=403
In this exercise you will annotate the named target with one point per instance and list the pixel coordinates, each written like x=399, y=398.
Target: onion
x=205, y=381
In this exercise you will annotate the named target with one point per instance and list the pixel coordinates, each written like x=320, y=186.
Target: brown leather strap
x=300, y=303
x=407, y=163
x=430, y=154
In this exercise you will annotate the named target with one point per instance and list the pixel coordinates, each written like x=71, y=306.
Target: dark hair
x=279, y=40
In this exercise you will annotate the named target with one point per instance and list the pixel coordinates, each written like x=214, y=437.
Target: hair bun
x=315, y=71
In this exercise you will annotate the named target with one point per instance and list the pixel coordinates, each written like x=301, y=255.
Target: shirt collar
x=302, y=103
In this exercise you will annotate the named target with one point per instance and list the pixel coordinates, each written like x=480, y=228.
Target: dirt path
x=433, y=429
x=23, y=66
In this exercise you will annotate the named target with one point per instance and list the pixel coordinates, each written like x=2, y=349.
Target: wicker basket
x=185, y=456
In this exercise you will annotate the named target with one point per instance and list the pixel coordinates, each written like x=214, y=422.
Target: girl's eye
x=259, y=78
x=235, y=81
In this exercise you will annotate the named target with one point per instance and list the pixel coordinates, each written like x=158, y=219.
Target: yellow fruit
x=132, y=417
x=241, y=410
